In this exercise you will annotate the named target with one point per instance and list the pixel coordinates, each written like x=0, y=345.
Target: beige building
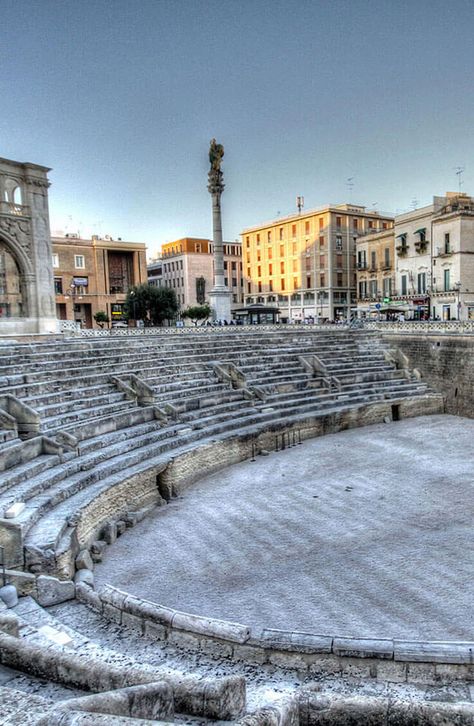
x=186, y=266
x=375, y=272
x=306, y=263
x=92, y=275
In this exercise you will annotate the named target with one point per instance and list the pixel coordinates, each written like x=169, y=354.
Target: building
x=187, y=266
x=26, y=278
x=92, y=275
x=375, y=273
x=306, y=263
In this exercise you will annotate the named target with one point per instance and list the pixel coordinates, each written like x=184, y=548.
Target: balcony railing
x=19, y=210
x=402, y=250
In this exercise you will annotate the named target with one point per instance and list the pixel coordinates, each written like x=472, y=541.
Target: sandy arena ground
x=365, y=533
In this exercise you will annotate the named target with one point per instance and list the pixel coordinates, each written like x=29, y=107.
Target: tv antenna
x=299, y=204
x=459, y=172
x=350, y=185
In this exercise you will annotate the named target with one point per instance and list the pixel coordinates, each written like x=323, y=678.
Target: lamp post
x=457, y=288
x=133, y=301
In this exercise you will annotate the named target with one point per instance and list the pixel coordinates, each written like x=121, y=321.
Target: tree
x=151, y=304
x=101, y=318
x=197, y=312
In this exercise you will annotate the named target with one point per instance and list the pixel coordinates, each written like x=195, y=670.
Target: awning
x=422, y=230
x=404, y=234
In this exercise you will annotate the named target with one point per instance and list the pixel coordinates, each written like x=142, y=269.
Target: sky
x=363, y=101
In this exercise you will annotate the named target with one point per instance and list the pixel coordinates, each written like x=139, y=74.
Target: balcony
x=402, y=249
x=421, y=245
x=19, y=210
x=446, y=251
x=387, y=265
x=373, y=268
x=362, y=266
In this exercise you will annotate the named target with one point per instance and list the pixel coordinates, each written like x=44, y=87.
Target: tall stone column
x=220, y=295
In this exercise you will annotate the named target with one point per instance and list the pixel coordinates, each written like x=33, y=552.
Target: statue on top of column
x=216, y=152
x=216, y=176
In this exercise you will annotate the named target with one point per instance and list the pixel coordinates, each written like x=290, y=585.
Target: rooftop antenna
x=414, y=203
x=299, y=204
x=459, y=172
x=350, y=185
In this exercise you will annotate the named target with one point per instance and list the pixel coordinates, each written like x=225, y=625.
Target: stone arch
x=26, y=276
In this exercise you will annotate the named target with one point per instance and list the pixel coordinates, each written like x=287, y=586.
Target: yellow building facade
x=306, y=263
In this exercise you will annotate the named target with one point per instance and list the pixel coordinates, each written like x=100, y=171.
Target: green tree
x=101, y=318
x=151, y=304
x=197, y=312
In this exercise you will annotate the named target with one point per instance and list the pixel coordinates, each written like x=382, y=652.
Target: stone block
x=155, y=630
x=121, y=527
x=216, y=649
x=132, y=622
x=112, y=613
x=288, y=660
x=85, y=577
x=9, y=624
x=434, y=652
x=109, y=532
x=51, y=591
x=9, y=595
x=98, y=546
x=363, y=648
x=84, y=561
x=296, y=641
x=250, y=654
x=14, y=510
x=223, y=629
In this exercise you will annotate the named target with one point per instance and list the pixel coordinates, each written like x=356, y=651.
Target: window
x=421, y=287
x=387, y=256
x=259, y=286
x=339, y=282
x=270, y=285
x=362, y=289
x=281, y=233
x=233, y=266
x=295, y=248
x=258, y=239
x=79, y=262
x=249, y=287
x=293, y=230
x=387, y=286
x=55, y=260
x=307, y=263
x=339, y=222
x=371, y=224
x=373, y=288
x=373, y=260
x=306, y=227
x=282, y=250
x=338, y=242
x=295, y=283
x=446, y=245
x=282, y=267
x=322, y=281
x=259, y=256
x=446, y=280
x=259, y=271
x=338, y=260
x=322, y=260
x=321, y=222
x=269, y=236
x=321, y=241
x=58, y=285
x=355, y=224
x=282, y=283
x=270, y=253
x=248, y=271
x=384, y=225
x=247, y=241
x=404, y=284
x=308, y=281
x=295, y=265
x=270, y=269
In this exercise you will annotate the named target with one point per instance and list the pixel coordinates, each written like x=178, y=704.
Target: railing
x=19, y=210
x=422, y=326
x=201, y=329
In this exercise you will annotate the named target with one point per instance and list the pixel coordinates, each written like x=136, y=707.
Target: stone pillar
x=220, y=295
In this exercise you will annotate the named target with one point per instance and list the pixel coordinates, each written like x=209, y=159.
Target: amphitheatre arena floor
x=367, y=533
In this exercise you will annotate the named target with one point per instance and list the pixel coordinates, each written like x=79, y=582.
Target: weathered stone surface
x=9, y=595
x=51, y=591
x=84, y=576
x=84, y=561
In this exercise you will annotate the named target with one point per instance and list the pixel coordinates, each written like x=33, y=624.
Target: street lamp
x=133, y=301
x=457, y=288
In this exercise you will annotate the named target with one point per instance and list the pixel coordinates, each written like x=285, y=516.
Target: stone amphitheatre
x=264, y=525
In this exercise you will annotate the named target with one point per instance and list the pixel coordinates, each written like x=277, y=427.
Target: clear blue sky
x=121, y=98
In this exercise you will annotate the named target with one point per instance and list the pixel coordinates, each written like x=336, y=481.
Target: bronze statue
x=216, y=152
